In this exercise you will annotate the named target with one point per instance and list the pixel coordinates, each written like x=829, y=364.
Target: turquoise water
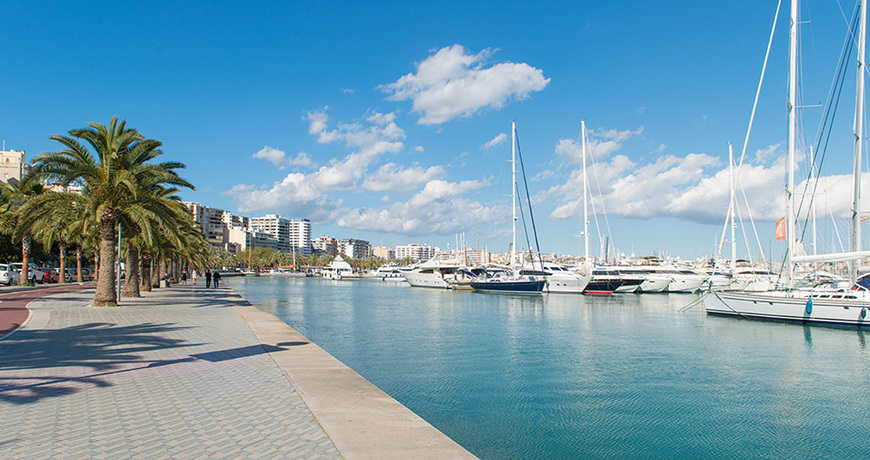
x=568, y=376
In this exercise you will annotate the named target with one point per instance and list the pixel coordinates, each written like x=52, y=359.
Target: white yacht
x=339, y=269
x=559, y=279
x=435, y=273
x=653, y=280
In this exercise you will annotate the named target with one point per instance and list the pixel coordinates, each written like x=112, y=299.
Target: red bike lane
x=13, y=305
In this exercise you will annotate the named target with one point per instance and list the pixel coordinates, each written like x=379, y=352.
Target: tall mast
x=859, y=138
x=733, y=265
x=514, y=191
x=792, y=135
x=585, y=206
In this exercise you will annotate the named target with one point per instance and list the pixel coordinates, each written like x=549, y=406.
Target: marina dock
x=185, y=372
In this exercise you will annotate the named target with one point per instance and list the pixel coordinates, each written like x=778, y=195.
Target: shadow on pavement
x=112, y=353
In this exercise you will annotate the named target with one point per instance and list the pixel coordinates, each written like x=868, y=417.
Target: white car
x=8, y=275
x=34, y=274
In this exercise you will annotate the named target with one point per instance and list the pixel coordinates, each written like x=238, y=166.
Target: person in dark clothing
x=207, y=279
x=217, y=279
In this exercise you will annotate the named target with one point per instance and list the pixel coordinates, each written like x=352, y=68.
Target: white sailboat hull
x=780, y=306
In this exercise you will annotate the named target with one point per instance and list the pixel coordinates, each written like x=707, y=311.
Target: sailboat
x=808, y=306
x=511, y=279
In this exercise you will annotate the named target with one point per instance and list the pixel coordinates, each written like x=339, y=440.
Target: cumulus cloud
x=279, y=159
x=497, y=140
x=439, y=209
x=393, y=178
x=272, y=154
x=601, y=144
x=294, y=196
x=452, y=83
x=309, y=194
x=302, y=159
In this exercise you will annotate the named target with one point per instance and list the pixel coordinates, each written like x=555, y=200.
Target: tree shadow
x=97, y=355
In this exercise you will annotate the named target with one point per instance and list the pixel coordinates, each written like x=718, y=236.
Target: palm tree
x=158, y=210
x=13, y=195
x=54, y=217
x=111, y=163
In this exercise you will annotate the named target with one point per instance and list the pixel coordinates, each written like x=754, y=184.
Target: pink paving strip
x=13, y=308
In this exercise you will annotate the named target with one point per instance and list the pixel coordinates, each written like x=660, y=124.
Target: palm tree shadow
x=57, y=362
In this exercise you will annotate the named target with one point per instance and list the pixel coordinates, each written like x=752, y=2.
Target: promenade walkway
x=189, y=373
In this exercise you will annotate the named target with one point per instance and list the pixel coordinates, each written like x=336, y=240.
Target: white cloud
x=497, y=140
x=602, y=144
x=275, y=156
x=309, y=194
x=438, y=209
x=302, y=159
x=393, y=178
x=451, y=84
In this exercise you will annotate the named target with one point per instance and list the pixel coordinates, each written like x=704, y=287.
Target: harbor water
x=573, y=376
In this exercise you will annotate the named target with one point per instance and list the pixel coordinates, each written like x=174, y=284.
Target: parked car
x=72, y=275
x=49, y=275
x=8, y=275
x=34, y=274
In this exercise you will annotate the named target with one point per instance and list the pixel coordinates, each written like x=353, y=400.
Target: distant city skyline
x=392, y=125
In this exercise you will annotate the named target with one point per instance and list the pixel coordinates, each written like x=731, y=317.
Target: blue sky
x=387, y=121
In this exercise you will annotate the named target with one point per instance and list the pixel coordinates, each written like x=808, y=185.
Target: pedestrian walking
x=217, y=279
x=207, y=278
x=193, y=276
x=183, y=277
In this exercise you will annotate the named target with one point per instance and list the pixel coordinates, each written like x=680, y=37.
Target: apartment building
x=384, y=252
x=325, y=245
x=210, y=222
x=419, y=252
x=242, y=239
x=357, y=249
x=300, y=236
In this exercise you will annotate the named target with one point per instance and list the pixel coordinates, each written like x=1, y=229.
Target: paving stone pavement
x=175, y=374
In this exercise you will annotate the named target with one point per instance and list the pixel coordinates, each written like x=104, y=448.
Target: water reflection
x=568, y=376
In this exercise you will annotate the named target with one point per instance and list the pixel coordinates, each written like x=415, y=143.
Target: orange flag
x=780, y=229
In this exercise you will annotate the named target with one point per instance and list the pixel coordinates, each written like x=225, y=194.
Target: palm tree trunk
x=155, y=274
x=131, y=284
x=78, y=263
x=25, y=260
x=104, y=296
x=145, y=275
x=61, y=276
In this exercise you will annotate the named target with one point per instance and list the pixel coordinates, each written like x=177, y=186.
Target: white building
x=419, y=252
x=12, y=165
x=357, y=249
x=300, y=236
x=242, y=239
x=210, y=222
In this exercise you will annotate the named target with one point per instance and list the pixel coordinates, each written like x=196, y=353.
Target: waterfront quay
x=185, y=372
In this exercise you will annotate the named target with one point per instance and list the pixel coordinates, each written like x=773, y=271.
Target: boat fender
x=809, y=306
x=863, y=312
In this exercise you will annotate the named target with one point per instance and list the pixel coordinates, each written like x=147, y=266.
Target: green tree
x=112, y=164
x=13, y=195
x=54, y=217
